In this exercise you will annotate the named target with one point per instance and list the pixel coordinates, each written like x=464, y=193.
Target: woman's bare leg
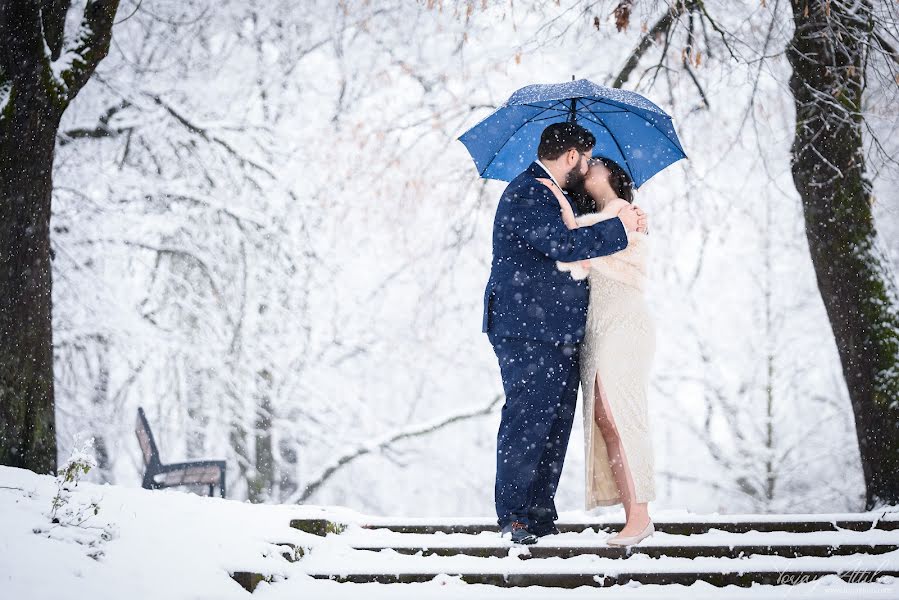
x=636, y=514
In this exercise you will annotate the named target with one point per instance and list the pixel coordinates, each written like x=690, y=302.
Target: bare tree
x=234, y=227
x=41, y=72
x=831, y=53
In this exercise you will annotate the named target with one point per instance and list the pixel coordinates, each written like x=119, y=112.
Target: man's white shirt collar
x=550, y=175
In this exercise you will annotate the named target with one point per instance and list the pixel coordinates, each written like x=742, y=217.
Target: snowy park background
x=266, y=234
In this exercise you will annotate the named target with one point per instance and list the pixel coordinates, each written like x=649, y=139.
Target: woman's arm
x=610, y=210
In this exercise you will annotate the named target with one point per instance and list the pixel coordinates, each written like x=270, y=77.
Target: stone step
x=785, y=549
x=322, y=526
x=673, y=527
x=538, y=551
x=547, y=549
x=743, y=578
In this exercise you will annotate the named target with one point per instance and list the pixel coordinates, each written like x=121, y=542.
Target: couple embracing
x=564, y=307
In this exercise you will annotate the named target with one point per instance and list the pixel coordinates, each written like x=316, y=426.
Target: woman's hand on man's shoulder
x=552, y=186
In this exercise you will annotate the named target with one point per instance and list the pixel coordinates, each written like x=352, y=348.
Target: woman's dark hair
x=559, y=138
x=619, y=180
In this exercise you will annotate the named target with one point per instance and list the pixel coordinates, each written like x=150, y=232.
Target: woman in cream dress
x=616, y=356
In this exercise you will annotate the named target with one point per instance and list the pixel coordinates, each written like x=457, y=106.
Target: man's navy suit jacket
x=527, y=296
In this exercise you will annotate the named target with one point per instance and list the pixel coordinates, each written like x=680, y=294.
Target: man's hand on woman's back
x=632, y=219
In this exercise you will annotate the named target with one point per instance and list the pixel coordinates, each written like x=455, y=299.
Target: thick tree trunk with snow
x=39, y=77
x=27, y=431
x=854, y=276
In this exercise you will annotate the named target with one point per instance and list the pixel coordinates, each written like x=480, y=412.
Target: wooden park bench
x=158, y=475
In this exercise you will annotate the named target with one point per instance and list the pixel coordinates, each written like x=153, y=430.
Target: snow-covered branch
x=386, y=441
x=88, y=47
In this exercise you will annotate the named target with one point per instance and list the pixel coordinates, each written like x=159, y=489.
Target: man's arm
x=537, y=221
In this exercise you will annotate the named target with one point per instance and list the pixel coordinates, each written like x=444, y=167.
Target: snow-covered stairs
x=722, y=550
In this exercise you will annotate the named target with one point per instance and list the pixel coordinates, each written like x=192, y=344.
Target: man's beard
x=574, y=179
x=578, y=194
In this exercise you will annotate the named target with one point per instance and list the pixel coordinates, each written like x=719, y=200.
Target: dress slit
x=607, y=413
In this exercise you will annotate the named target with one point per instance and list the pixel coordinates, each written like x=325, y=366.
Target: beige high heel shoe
x=632, y=539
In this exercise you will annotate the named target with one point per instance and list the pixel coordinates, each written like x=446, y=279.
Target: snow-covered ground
x=171, y=544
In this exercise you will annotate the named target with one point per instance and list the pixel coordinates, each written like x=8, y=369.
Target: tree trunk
x=34, y=93
x=854, y=275
x=264, y=485
x=27, y=424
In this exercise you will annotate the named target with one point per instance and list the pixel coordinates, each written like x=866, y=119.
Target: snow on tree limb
x=89, y=46
x=384, y=442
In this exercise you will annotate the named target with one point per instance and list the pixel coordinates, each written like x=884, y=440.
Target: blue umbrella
x=629, y=129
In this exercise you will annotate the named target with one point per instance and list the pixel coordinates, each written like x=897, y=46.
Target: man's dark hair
x=559, y=138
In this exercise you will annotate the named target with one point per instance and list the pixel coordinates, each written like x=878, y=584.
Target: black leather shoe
x=519, y=533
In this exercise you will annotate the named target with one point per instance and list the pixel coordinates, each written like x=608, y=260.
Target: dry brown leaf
x=623, y=14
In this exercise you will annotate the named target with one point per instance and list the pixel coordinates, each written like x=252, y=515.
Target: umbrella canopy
x=629, y=129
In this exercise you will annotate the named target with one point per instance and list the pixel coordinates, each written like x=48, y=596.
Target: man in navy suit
x=535, y=316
